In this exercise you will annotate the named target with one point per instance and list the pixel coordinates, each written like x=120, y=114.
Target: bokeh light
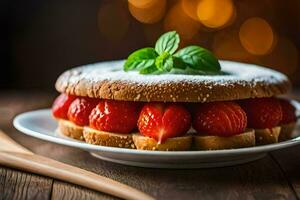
x=257, y=36
x=113, y=21
x=215, y=13
x=190, y=8
x=226, y=45
x=238, y=30
x=176, y=19
x=284, y=57
x=142, y=3
x=150, y=14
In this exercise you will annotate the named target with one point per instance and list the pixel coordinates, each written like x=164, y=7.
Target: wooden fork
x=16, y=156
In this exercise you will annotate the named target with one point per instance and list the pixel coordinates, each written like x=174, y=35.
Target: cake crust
x=70, y=129
x=110, y=139
x=210, y=142
x=182, y=143
x=267, y=135
x=107, y=80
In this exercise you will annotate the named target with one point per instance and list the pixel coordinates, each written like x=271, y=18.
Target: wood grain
x=257, y=180
x=48, y=167
x=17, y=185
x=66, y=191
x=273, y=177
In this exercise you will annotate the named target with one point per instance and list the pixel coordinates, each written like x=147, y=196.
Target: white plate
x=40, y=124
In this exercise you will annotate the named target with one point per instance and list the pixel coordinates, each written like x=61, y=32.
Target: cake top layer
x=107, y=80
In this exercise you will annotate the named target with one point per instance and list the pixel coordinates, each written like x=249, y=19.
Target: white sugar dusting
x=237, y=73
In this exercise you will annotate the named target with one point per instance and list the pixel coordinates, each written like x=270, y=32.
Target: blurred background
x=41, y=39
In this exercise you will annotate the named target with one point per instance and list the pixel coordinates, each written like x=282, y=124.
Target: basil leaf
x=161, y=59
x=178, y=63
x=140, y=59
x=190, y=71
x=199, y=58
x=164, y=62
x=149, y=70
x=167, y=42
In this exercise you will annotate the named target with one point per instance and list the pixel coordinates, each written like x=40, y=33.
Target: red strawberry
x=162, y=121
x=262, y=112
x=115, y=116
x=80, y=110
x=220, y=118
x=61, y=105
x=288, y=112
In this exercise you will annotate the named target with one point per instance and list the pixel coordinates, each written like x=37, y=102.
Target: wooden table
x=277, y=176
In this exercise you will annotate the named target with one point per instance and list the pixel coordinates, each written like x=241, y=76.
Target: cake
x=103, y=104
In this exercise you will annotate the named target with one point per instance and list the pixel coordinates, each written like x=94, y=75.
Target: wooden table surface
x=276, y=176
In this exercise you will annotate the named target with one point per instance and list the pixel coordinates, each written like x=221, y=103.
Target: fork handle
x=8, y=144
x=51, y=168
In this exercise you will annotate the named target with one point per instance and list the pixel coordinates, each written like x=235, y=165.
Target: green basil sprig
x=164, y=58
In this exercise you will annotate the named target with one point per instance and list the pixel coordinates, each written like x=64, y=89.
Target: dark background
x=41, y=38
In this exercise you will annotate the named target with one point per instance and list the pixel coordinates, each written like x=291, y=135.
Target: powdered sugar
x=235, y=73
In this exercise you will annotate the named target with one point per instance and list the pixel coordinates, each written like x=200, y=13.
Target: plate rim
x=90, y=147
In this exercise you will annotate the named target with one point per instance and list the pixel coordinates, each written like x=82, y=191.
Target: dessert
x=160, y=99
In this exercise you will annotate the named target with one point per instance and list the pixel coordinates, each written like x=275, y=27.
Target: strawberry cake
x=104, y=105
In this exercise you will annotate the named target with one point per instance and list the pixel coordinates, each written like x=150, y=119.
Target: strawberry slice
x=220, y=118
x=162, y=121
x=288, y=112
x=61, y=105
x=80, y=110
x=115, y=116
x=262, y=112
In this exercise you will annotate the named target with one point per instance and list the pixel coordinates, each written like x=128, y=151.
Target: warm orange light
x=113, y=20
x=190, y=8
x=257, y=36
x=176, y=19
x=151, y=14
x=142, y=3
x=226, y=45
x=215, y=13
x=232, y=18
x=284, y=57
